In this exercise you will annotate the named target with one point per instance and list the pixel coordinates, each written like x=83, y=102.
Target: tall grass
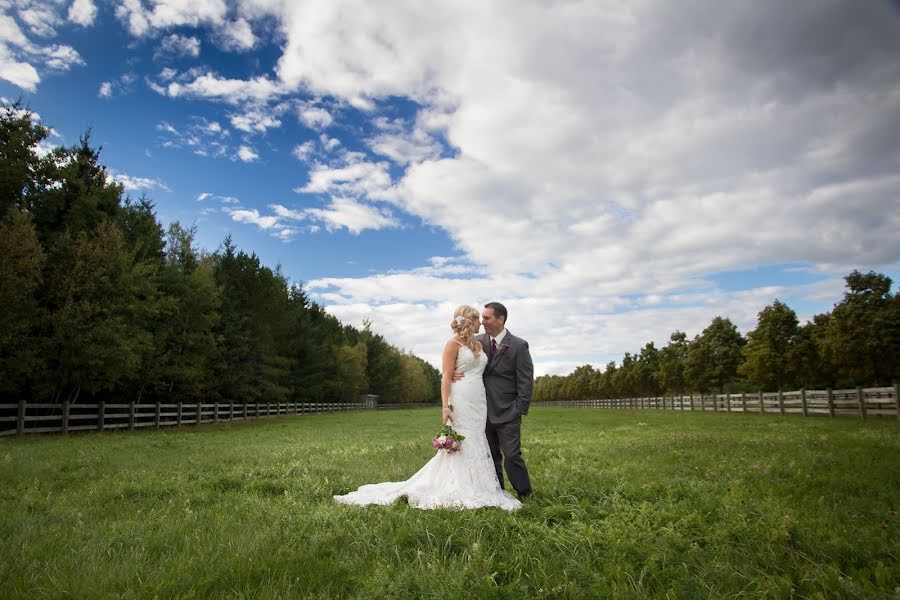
x=626, y=505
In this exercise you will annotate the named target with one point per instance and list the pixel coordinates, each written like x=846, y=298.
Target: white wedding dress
x=465, y=479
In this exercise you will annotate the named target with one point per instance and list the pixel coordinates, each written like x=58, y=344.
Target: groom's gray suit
x=508, y=381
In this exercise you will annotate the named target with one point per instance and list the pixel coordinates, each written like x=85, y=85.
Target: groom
x=508, y=380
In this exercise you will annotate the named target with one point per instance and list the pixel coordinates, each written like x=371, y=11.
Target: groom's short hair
x=499, y=309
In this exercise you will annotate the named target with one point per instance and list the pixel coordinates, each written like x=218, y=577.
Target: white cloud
x=18, y=73
x=255, y=121
x=204, y=196
x=352, y=215
x=247, y=154
x=10, y=33
x=41, y=20
x=315, y=117
x=329, y=143
x=136, y=184
x=82, y=12
x=303, y=151
x=202, y=136
x=236, y=36
x=176, y=45
x=20, y=57
x=233, y=91
x=169, y=13
x=59, y=58
x=252, y=216
x=105, y=90
x=356, y=178
x=405, y=148
x=339, y=214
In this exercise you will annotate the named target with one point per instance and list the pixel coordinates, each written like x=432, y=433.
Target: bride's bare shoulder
x=453, y=343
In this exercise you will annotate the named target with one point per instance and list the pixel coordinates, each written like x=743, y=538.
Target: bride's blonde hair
x=465, y=324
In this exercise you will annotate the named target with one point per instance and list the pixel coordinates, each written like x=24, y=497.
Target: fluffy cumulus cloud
x=164, y=14
x=352, y=215
x=176, y=45
x=235, y=36
x=246, y=154
x=315, y=117
x=339, y=214
x=21, y=57
x=138, y=184
x=82, y=12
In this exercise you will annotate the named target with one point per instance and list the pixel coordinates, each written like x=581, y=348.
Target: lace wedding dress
x=465, y=479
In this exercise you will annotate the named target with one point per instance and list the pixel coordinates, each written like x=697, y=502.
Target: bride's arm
x=448, y=365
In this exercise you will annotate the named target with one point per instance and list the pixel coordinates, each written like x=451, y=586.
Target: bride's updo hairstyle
x=465, y=324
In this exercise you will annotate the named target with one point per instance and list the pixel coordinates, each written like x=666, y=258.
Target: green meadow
x=627, y=504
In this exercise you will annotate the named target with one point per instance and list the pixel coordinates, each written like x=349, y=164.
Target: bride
x=465, y=479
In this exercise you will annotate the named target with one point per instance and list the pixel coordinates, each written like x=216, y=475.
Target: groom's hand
x=457, y=375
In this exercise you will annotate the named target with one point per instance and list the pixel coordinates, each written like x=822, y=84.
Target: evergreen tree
x=22, y=170
x=95, y=343
x=22, y=348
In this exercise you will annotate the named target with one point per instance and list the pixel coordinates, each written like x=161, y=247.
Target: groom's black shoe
x=523, y=495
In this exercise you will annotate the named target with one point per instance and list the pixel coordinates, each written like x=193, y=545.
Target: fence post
x=803, y=402
x=179, y=413
x=862, y=402
x=65, y=416
x=830, y=403
x=762, y=406
x=131, y=415
x=728, y=403
x=216, y=411
x=780, y=401
x=199, y=412
x=715, y=400
x=743, y=401
x=702, y=403
x=101, y=418
x=156, y=417
x=20, y=422
x=897, y=399
x=231, y=410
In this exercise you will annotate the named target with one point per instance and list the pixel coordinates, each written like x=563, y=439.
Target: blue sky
x=612, y=172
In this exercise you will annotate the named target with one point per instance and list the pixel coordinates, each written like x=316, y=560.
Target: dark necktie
x=493, y=348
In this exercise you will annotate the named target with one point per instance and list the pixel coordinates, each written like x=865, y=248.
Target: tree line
x=857, y=343
x=99, y=301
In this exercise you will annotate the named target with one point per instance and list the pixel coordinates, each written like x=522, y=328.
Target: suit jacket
x=508, y=378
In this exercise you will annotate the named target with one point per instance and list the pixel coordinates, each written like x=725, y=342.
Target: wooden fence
x=861, y=402
x=29, y=417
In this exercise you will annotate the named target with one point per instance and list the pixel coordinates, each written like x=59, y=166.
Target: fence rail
x=861, y=402
x=40, y=417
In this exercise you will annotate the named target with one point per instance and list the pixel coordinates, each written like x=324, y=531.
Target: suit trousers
x=505, y=439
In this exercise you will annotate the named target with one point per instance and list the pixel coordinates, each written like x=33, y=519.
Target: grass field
x=627, y=505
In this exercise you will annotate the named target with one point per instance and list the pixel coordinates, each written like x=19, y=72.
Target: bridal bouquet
x=447, y=439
